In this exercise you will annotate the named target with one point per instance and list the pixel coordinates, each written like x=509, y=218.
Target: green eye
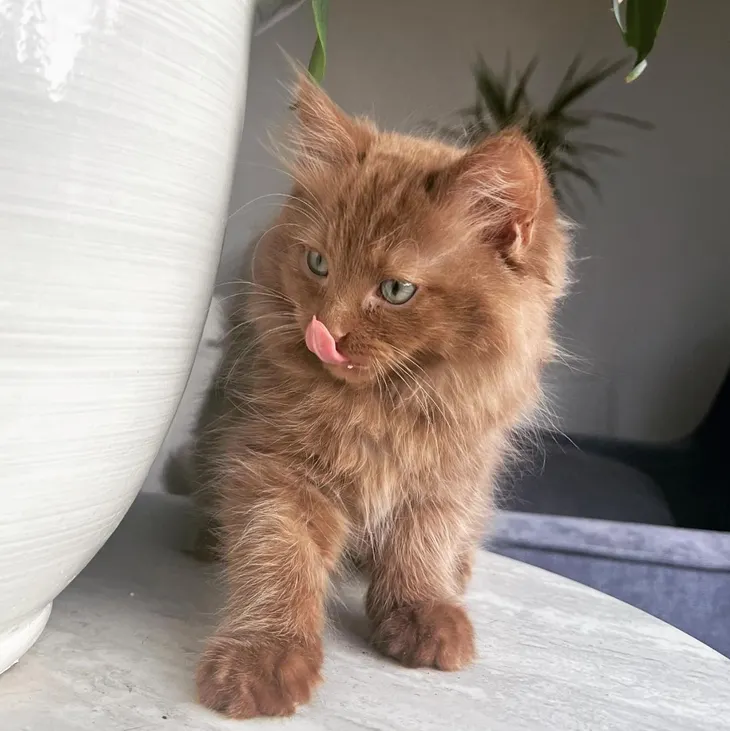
x=317, y=263
x=395, y=292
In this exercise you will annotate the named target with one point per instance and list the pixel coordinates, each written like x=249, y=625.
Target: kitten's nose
x=338, y=333
x=336, y=329
x=321, y=342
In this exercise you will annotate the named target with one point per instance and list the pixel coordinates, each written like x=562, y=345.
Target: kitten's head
x=396, y=253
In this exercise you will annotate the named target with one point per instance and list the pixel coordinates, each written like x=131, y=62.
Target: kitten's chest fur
x=370, y=449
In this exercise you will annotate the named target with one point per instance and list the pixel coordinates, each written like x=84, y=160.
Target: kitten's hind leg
x=280, y=541
x=206, y=543
x=180, y=477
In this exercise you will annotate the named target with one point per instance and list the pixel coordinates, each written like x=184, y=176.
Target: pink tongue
x=320, y=341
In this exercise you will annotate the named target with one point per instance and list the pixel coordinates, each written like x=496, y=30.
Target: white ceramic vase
x=119, y=121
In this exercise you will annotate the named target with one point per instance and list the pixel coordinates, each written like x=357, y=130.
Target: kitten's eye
x=395, y=292
x=317, y=263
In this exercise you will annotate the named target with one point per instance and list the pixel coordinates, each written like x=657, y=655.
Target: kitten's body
x=391, y=458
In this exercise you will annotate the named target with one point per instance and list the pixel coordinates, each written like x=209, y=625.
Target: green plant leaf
x=561, y=165
x=492, y=93
x=566, y=122
x=318, y=59
x=617, y=14
x=569, y=75
x=474, y=111
x=576, y=88
x=503, y=100
x=566, y=194
x=636, y=71
x=518, y=97
x=590, y=115
x=641, y=25
x=576, y=149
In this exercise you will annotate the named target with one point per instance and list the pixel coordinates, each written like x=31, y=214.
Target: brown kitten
x=394, y=337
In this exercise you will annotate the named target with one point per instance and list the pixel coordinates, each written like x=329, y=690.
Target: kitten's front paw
x=244, y=678
x=435, y=635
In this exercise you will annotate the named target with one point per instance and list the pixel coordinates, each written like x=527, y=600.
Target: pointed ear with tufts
x=503, y=184
x=325, y=134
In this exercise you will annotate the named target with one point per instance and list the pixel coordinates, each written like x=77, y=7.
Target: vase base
x=18, y=639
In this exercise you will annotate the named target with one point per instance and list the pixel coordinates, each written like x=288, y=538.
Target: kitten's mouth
x=319, y=341
x=353, y=374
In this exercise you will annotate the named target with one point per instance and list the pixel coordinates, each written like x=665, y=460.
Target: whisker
x=255, y=200
x=291, y=328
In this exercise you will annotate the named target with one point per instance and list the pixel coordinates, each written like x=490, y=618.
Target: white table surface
x=120, y=650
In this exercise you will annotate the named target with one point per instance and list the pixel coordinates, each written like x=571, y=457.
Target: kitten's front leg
x=280, y=541
x=417, y=580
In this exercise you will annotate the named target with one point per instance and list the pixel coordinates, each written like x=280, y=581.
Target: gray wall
x=649, y=318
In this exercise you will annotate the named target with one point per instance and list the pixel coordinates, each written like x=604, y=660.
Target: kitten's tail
x=178, y=474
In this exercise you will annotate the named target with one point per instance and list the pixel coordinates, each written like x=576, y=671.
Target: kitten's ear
x=503, y=183
x=325, y=134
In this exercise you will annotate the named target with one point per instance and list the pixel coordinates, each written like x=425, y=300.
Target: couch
x=649, y=525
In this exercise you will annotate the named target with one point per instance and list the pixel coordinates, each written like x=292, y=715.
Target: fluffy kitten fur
x=390, y=462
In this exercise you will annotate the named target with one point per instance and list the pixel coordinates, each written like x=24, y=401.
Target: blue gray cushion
x=558, y=481
x=681, y=576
